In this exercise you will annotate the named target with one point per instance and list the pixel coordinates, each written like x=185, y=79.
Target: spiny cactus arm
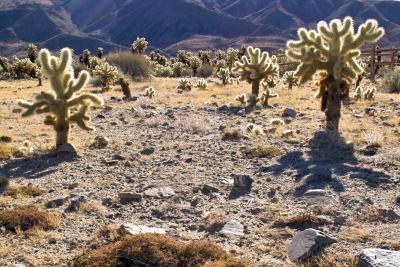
x=77, y=84
x=83, y=98
x=31, y=108
x=81, y=118
x=367, y=32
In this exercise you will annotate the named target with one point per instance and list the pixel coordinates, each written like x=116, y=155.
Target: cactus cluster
x=242, y=99
x=184, y=85
x=290, y=79
x=366, y=94
x=254, y=129
x=149, y=92
x=202, y=84
x=335, y=49
x=224, y=75
x=107, y=74
x=32, y=52
x=266, y=96
x=22, y=68
x=63, y=103
x=256, y=67
x=139, y=46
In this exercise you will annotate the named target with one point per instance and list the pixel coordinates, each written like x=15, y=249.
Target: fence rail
x=375, y=58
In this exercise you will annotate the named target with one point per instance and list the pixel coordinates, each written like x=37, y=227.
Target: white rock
x=232, y=229
x=134, y=229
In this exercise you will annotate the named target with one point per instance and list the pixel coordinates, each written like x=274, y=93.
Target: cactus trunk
x=62, y=128
x=333, y=106
x=255, y=87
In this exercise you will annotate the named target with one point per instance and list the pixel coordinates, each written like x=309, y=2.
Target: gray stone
x=147, y=151
x=242, y=181
x=134, y=229
x=241, y=112
x=232, y=229
x=55, y=203
x=76, y=203
x=159, y=192
x=375, y=257
x=129, y=197
x=207, y=189
x=318, y=197
x=100, y=142
x=307, y=243
x=289, y=112
x=389, y=215
x=66, y=150
x=315, y=193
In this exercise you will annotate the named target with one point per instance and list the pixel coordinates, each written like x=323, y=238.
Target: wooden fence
x=375, y=58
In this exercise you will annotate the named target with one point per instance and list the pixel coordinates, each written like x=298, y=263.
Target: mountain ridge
x=175, y=24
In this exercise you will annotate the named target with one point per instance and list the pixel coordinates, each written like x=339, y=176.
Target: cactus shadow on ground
x=324, y=165
x=34, y=167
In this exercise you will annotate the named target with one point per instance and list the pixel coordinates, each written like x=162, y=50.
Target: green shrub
x=391, y=81
x=132, y=65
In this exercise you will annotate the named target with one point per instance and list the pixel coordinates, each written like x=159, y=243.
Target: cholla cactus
x=149, y=92
x=271, y=83
x=5, y=65
x=224, y=75
x=100, y=52
x=23, y=68
x=39, y=74
x=178, y=68
x=195, y=63
x=234, y=81
x=32, y=52
x=220, y=64
x=205, y=56
x=220, y=55
x=107, y=74
x=232, y=55
x=183, y=56
x=369, y=94
x=266, y=96
x=139, y=46
x=255, y=67
x=358, y=93
x=163, y=71
x=333, y=48
x=290, y=79
x=86, y=57
x=94, y=62
x=63, y=98
x=242, y=99
x=202, y=84
x=184, y=85
x=254, y=129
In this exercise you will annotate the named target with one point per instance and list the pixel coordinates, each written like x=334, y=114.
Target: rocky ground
x=171, y=163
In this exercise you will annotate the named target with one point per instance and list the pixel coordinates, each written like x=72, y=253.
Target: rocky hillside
x=174, y=24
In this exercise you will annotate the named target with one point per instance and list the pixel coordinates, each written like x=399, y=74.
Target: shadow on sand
x=36, y=166
x=329, y=158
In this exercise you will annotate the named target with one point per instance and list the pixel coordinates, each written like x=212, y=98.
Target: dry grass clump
x=157, y=250
x=7, y=152
x=302, y=220
x=28, y=218
x=232, y=135
x=263, y=152
x=215, y=221
x=330, y=260
x=24, y=191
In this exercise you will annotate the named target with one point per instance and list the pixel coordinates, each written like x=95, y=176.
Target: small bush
x=232, y=135
x=29, y=191
x=205, y=71
x=135, y=66
x=27, y=218
x=263, y=152
x=391, y=81
x=157, y=250
x=7, y=151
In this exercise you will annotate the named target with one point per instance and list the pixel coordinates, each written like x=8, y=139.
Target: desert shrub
x=391, y=81
x=205, y=71
x=163, y=71
x=133, y=65
x=157, y=250
x=263, y=152
x=26, y=218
